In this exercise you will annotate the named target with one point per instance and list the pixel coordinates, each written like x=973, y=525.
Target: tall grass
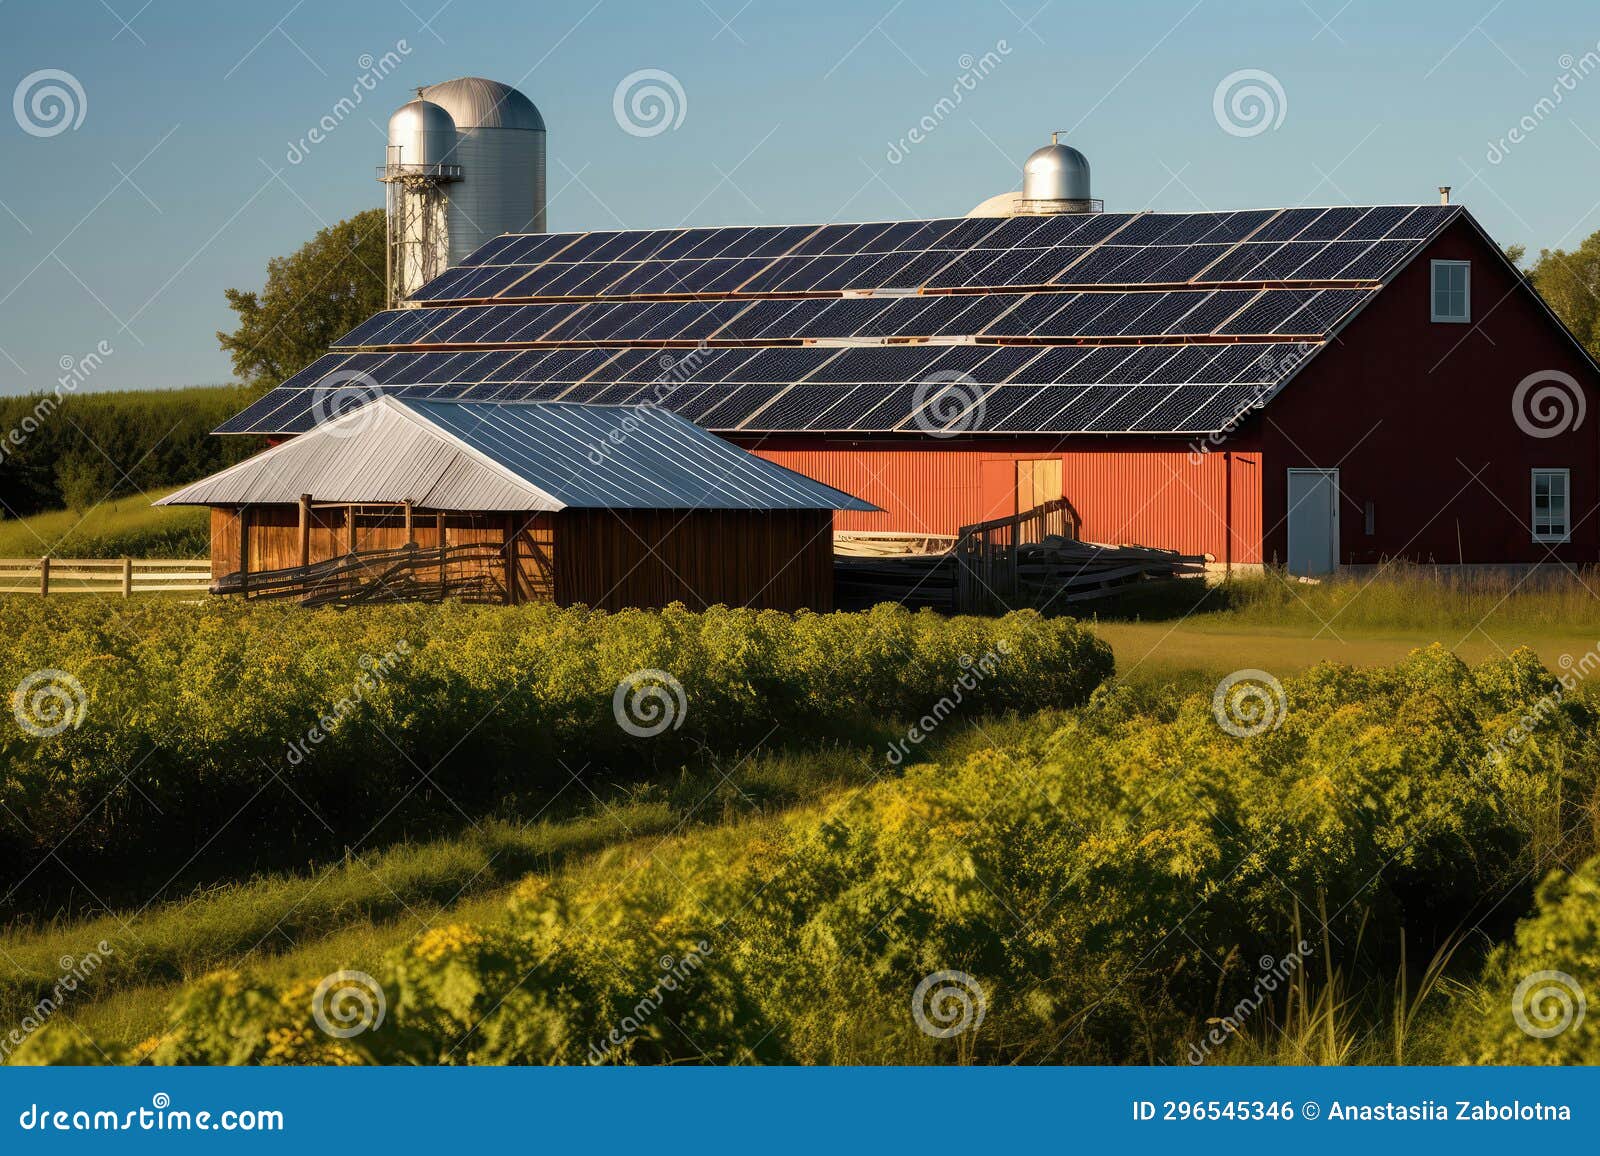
x=1399, y=596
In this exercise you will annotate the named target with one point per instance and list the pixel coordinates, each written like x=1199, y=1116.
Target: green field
x=117, y=527
x=1048, y=853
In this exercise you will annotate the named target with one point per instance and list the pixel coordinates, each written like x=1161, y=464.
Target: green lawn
x=121, y=526
x=1192, y=632
x=1212, y=646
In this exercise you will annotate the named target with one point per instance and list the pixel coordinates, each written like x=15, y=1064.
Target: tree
x=1570, y=285
x=316, y=295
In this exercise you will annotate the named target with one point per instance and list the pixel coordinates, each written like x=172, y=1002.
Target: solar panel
x=1025, y=280
x=1172, y=411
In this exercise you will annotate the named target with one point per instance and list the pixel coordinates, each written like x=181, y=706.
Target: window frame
x=1565, y=474
x=1466, y=292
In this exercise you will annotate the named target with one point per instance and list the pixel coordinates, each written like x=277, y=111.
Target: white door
x=1313, y=521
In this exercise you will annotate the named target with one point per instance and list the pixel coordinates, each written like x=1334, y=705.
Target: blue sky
x=176, y=183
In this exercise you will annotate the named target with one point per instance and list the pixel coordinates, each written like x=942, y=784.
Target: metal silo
x=500, y=146
x=416, y=174
x=1055, y=179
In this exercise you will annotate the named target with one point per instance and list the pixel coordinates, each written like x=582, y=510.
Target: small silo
x=416, y=173
x=500, y=147
x=1055, y=179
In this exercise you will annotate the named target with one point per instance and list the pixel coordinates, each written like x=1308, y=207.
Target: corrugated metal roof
x=463, y=455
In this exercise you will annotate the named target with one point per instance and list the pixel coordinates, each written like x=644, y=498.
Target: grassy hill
x=120, y=527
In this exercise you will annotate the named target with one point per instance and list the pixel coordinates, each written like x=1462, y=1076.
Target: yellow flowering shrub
x=1053, y=873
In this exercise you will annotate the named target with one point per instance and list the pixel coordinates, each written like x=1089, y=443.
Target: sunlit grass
x=125, y=526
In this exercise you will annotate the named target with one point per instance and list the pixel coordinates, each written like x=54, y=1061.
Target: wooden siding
x=778, y=559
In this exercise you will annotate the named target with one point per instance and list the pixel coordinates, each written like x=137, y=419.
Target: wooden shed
x=610, y=506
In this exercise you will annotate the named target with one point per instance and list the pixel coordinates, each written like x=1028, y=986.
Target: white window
x=1552, y=508
x=1452, y=291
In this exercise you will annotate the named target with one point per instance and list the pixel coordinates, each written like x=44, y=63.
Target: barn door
x=1313, y=521
x=1038, y=482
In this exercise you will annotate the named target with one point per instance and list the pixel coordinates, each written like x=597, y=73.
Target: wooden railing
x=124, y=576
x=986, y=553
x=474, y=572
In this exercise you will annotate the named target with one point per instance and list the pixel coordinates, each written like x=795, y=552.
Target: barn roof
x=1077, y=323
x=455, y=455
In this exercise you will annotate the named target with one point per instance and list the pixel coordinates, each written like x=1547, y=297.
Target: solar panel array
x=1082, y=323
x=1348, y=244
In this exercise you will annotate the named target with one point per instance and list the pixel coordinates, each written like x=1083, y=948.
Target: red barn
x=1308, y=387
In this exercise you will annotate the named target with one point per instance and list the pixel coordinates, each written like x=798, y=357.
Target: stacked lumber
x=1051, y=572
x=914, y=580
x=1065, y=570
x=888, y=543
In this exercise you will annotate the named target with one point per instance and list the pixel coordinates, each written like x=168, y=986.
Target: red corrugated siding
x=1150, y=495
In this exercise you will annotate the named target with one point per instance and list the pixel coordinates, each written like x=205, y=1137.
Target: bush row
x=59, y=451
x=152, y=724
x=1089, y=895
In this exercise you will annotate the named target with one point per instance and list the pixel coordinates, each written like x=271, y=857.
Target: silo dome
x=421, y=133
x=478, y=103
x=1056, y=172
x=500, y=146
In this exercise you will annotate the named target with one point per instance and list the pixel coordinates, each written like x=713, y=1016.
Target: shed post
x=305, y=530
x=350, y=527
x=438, y=523
x=411, y=537
x=127, y=577
x=510, y=551
x=44, y=576
x=244, y=552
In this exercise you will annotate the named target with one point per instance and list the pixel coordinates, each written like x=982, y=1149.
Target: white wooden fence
x=124, y=576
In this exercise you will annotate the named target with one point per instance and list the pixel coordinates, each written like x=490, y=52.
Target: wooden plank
x=244, y=552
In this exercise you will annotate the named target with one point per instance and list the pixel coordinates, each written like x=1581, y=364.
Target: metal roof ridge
x=405, y=405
